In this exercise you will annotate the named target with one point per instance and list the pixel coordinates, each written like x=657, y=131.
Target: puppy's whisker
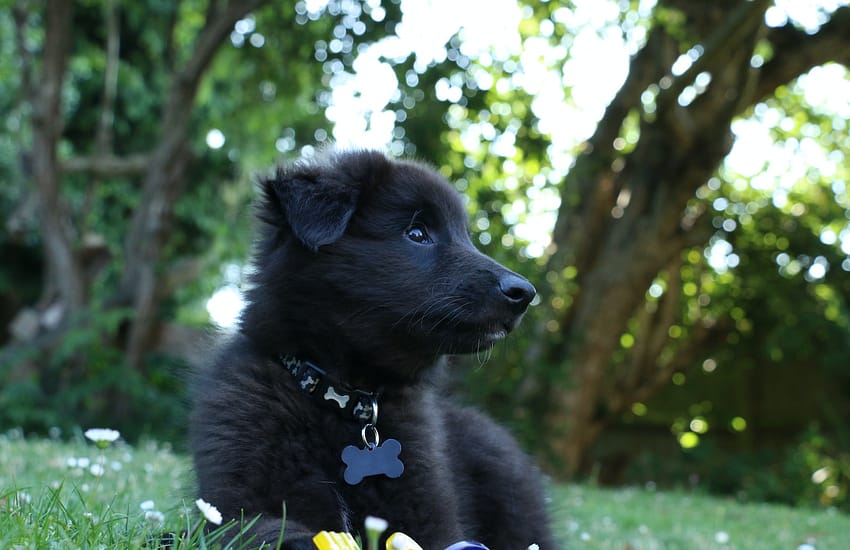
x=451, y=314
x=421, y=313
x=483, y=350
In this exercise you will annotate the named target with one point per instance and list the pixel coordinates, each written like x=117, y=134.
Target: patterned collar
x=350, y=402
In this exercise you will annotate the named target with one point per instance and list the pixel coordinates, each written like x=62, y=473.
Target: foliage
x=773, y=241
x=264, y=104
x=758, y=295
x=59, y=397
x=809, y=472
x=813, y=472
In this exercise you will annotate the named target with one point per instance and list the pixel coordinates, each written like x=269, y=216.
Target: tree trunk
x=142, y=283
x=624, y=218
x=64, y=276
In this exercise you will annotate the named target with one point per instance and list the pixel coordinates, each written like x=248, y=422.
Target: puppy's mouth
x=496, y=331
x=473, y=334
x=490, y=332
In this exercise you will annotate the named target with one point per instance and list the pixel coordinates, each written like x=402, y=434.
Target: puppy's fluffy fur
x=365, y=268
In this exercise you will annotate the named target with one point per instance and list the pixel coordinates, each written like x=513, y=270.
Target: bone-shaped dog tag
x=372, y=460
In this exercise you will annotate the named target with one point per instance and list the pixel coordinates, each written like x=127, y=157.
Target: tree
x=117, y=97
x=628, y=215
x=628, y=297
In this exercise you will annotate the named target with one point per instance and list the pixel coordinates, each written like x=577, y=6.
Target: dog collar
x=350, y=402
x=374, y=458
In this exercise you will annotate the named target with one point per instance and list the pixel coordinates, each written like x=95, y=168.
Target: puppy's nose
x=516, y=289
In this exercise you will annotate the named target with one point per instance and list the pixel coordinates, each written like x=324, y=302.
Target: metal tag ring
x=370, y=430
x=374, y=412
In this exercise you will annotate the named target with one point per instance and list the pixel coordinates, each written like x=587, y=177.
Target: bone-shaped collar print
x=332, y=395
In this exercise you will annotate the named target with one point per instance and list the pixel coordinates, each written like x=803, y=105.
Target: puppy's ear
x=314, y=202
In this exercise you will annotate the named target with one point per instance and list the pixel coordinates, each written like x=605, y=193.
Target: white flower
x=209, y=511
x=400, y=541
x=375, y=524
x=533, y=547
x=374, y=528
x=83, y=462
x=721, y=537
x=152, y=516
x=820, y=475
x=102, y=436
x=147, y=505
x=97, y=470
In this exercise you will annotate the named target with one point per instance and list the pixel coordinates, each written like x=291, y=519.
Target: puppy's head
x=377, y=252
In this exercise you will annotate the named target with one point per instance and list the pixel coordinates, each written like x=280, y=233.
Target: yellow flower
x=328, y=540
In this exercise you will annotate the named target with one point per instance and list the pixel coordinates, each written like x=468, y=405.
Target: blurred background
x=672, y=176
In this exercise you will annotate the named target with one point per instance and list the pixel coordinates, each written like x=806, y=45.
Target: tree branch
x=169, y=48
x=103, y=140
x=736, y=28
x=650, y=341
x=21, y=16
x=647, y=66
x=185, y=81
x=704, y=336
x=587, y=203
x=163, y=172
x=212, y=35
x=164, y=182
x=107, y=166
x=796, y=52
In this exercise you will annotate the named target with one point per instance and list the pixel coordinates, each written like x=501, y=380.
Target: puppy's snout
x=517, y=290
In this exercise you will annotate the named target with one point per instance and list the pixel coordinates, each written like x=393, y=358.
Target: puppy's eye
x=418, y=234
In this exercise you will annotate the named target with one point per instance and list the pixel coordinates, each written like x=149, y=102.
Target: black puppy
x=325, y=400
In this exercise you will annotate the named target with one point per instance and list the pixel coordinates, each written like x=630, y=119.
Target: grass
x=51, y=495
x=644, y=519
x=61, y=495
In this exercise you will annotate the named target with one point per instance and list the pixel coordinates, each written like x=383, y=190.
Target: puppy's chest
x=412, y=486
x=421, y=501
x=407, y=444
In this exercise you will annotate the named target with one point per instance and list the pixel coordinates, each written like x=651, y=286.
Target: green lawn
x=72, y=495
x=642, y=519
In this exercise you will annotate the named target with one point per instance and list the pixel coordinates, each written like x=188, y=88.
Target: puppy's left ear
x=315, y=203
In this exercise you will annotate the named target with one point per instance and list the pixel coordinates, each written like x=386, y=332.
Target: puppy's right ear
x=315, y=204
